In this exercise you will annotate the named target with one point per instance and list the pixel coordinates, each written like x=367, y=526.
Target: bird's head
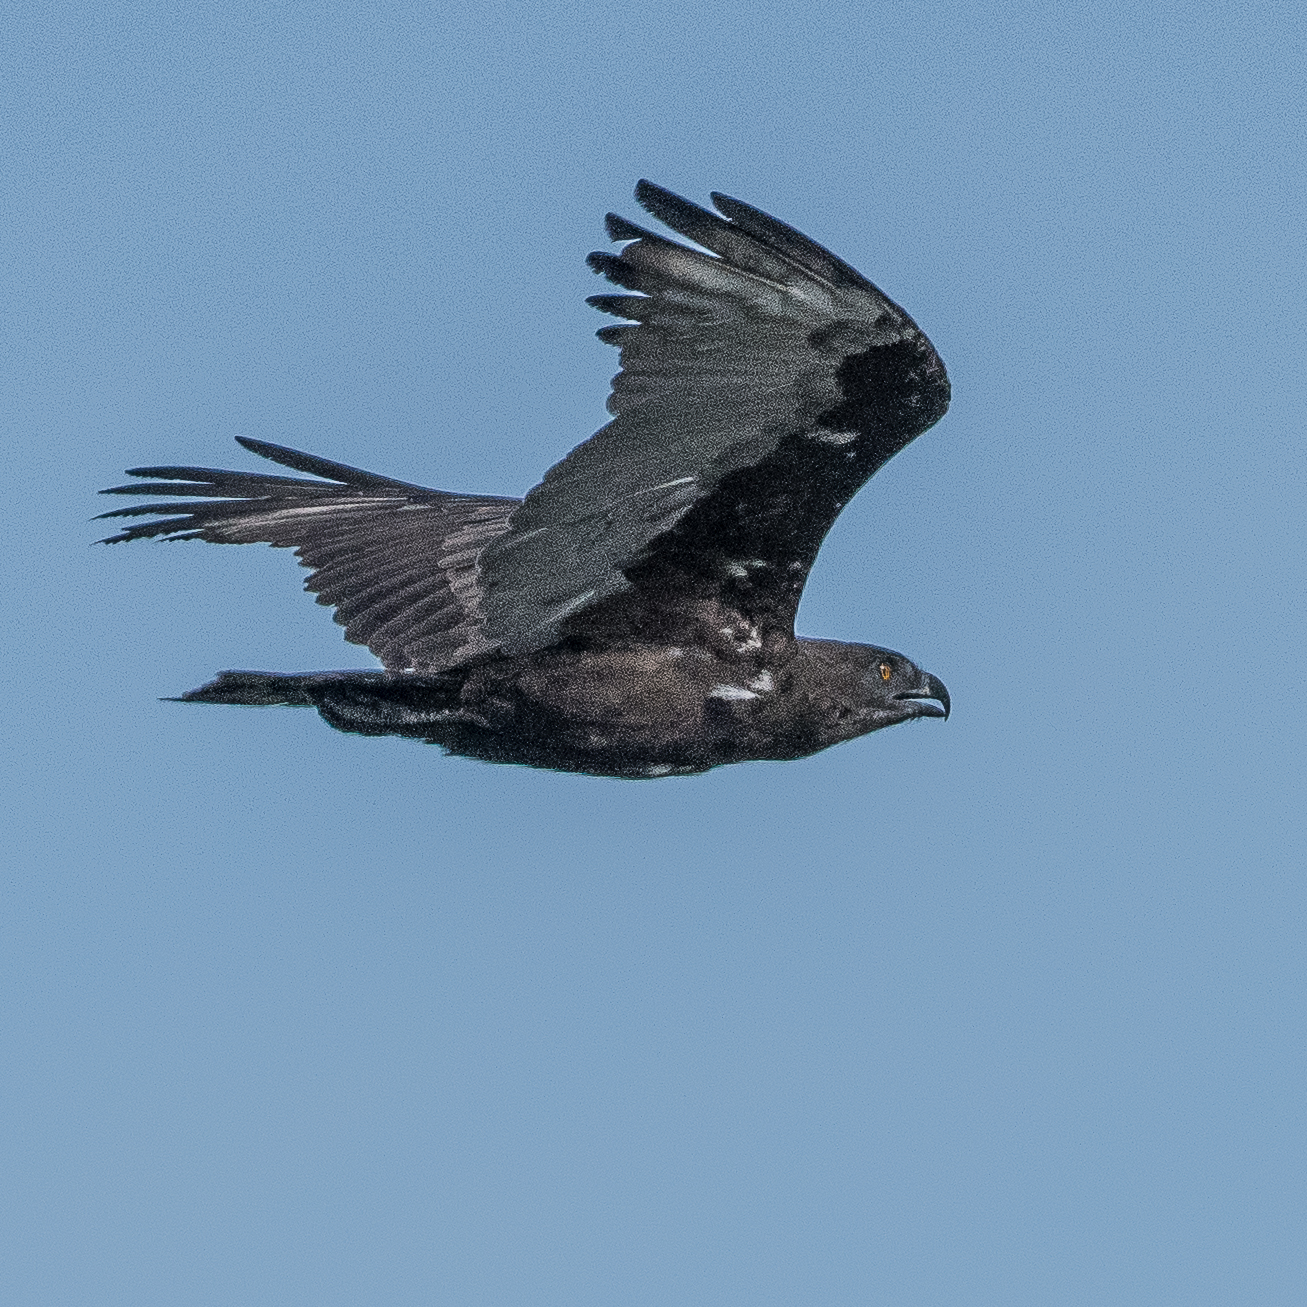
x=897, y=690
x=857, y=688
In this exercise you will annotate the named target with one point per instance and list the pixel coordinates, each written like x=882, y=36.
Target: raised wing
x=762, y=383
x=398, y=562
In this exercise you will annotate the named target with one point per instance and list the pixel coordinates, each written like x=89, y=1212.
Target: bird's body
x=636, y=711
x=634, y=615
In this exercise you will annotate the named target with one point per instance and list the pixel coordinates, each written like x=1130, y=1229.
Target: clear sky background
x=1006, y=1010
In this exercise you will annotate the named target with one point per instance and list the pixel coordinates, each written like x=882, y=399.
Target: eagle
x=633, y=615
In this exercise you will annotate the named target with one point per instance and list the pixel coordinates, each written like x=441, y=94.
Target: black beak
x=931, y=688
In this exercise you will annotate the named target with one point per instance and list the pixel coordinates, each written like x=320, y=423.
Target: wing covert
x=762, y=381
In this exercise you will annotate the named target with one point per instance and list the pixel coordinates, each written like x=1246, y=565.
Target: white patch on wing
x=648, y=490
x=763, y=683
x=731, y=692
x=825, y=436
x=298, y=512
x=563, y=610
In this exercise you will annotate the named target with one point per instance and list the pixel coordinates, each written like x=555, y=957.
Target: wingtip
x=622, y=229
x=729, y=207
x=266, y=449
x=650, y=193
x=319, y=467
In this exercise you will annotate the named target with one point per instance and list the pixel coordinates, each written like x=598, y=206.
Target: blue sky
x=1008, y=1010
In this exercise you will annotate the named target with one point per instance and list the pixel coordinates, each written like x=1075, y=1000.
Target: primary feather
x=398, y=562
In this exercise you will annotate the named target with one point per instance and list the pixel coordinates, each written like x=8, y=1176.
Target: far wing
x=398, y=562
x=762, y=383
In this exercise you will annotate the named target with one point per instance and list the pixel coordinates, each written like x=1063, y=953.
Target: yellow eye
x=886, y=671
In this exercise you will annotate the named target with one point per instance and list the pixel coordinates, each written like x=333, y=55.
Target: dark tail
x=258, y=689
x=366, y=703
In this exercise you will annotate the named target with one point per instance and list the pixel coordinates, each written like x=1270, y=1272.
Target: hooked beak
x=931, y=688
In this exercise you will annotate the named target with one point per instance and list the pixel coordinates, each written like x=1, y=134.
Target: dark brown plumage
x=634, y=615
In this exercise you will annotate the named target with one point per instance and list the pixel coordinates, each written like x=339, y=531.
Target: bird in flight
x=633, y=616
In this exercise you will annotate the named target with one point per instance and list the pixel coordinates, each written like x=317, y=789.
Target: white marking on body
x=731, y=692
x=745, y=638
x=659, y=769
x=763, y=683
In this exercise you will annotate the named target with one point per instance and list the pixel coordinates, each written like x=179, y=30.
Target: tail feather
x=365, y=703
x=257, y=689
